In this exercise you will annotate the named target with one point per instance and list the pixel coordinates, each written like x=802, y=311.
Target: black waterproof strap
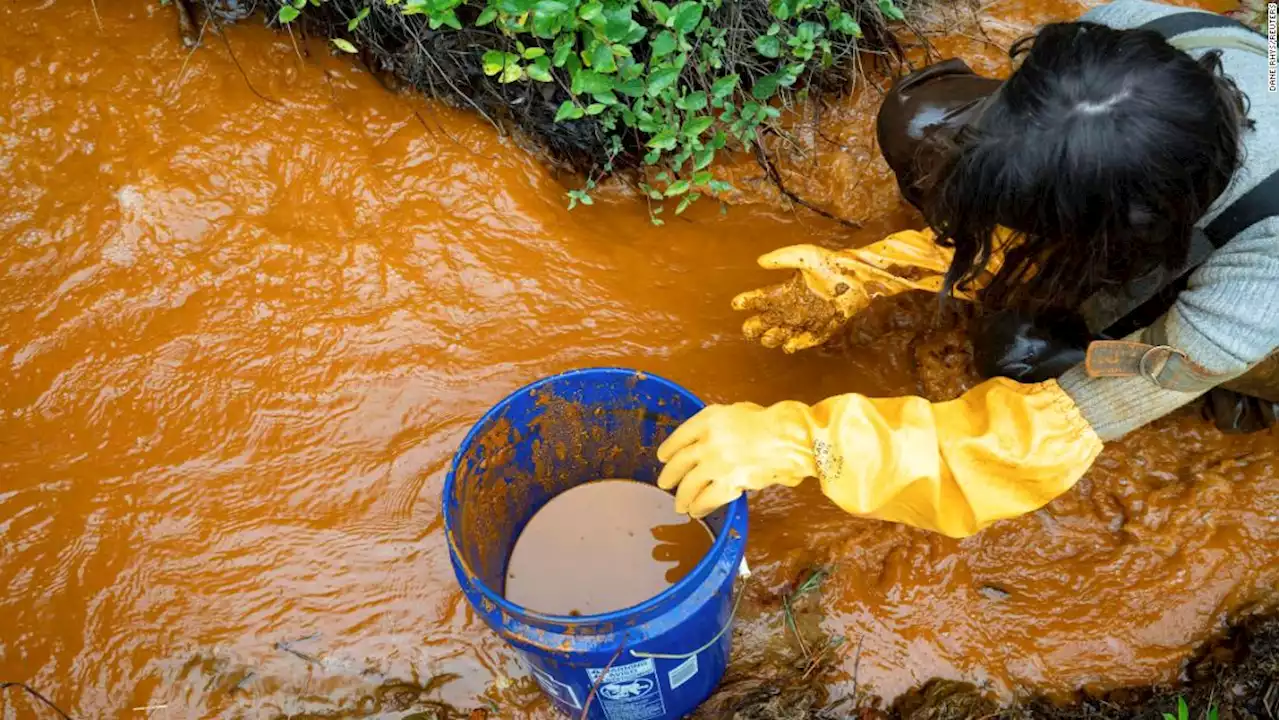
x=1191, y=21
x=1261, y=202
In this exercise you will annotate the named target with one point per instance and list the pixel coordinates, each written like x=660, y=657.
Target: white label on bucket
x=629, y=692
x=681, y=673
x=555, y=688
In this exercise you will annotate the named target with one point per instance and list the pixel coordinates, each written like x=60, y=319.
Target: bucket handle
x=745, y=574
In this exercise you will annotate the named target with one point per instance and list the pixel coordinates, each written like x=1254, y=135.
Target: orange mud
x=603, y=546
x=244, y=327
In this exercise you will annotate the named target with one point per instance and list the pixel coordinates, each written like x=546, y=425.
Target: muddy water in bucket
x=603, y=546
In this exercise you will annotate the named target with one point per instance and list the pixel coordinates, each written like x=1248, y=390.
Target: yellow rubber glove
x=831, y=286
x=998, y=451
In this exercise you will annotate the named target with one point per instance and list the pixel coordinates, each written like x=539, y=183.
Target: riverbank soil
x=1233, y=674
x=252, y=302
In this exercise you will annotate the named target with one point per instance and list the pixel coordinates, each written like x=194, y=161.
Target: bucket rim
x=735, y=515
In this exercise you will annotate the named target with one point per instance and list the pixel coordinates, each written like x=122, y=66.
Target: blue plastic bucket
x=658, y=659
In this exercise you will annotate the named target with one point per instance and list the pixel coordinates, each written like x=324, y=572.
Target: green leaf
x=889, y=10
x=1183, y=712
x=450, y=18
x=563, y=48
x=845, y=23
x=354, y=22
x=606, y=98
x=1213, y=713
x=492, y=62
x=663, y=44
x=496, y=62
x=651, y=157
x=544, y=26
x=550, y=8
x=665, y=140
x=686, y=201
x=602, y=59
x=511, y=73
x=287, y=14
x=662, y=79
x=630, y=69
x=686, y=16
x=539, y=72
x=487, y=16
x=693, y=101
x=595, y=108
x=568, y=111
x=765, y=87
x=631, y=88
x=618, y=24
x=697, y=125
x=343, y=45
x=717, y=59
x=723, y=87
x=635, y=34
x=809, y=31
x=579, y=196
x=533, y=53
x=703, y=157
x=590, y=82
x=701, y=178
x=768, y=46
x=661, y=12
x=678, y=187
x=590, y=11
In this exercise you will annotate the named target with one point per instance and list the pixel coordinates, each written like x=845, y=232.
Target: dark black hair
x=1101, y=152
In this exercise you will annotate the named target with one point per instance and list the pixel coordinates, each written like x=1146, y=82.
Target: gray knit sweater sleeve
x=1227, y=318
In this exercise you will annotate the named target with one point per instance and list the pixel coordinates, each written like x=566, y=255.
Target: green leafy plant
x=1184, y=712
x=665, y=85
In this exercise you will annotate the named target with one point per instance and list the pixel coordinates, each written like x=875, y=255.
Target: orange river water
x=252, y=301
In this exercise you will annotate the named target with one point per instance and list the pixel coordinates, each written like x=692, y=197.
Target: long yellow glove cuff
x=1001, y=450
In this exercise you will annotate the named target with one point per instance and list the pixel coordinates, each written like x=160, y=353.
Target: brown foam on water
x=603, y=546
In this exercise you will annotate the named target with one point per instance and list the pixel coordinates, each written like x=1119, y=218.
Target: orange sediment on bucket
x=603, y=546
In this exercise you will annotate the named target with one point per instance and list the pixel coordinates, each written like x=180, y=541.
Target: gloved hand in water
x=832, y=286
x=1000, y=450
